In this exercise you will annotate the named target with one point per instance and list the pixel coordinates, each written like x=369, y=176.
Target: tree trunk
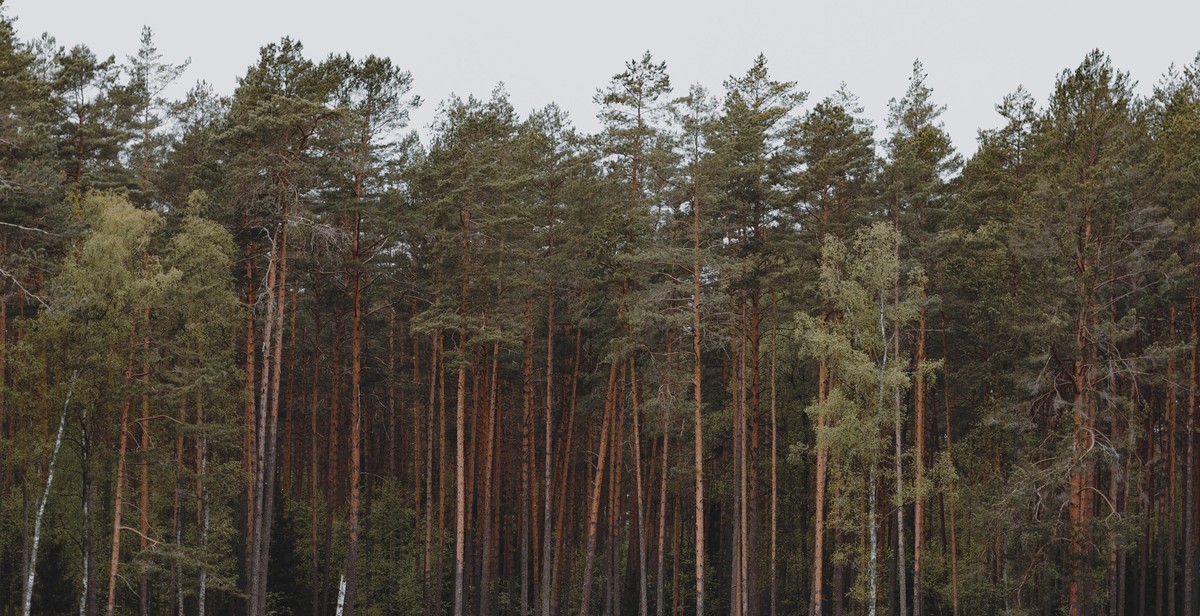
x=526, y=455
x=818, y=581
x=950, y=455
x=313, y=474
x=118, y=496
x=565, y=476
x=289, y=449
x=177, y=505
x=87, y=598
x=901, y=578
x=201, y=507
x=615, y=500
x=643, y=588
x=435, y=369
x=485, y=590
x=697, y=423
x=249, y=444
x=593, y=518
x=355, y=420
x=460, y=462
x=31, y=569
x=271, y=459
x=660, y=585
x=547, y=480
x=253, y=591
x=1170, y=407
x=144, y=450
x=919, y=485
x=873, y=558
x=1189, y=531
x=774, y=457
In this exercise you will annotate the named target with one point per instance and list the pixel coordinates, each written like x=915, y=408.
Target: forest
x=276, y=352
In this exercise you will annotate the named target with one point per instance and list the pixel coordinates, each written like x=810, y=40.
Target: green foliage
x=1052, y=276
x=391, y=564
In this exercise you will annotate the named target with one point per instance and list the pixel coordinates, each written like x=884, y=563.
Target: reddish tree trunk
x=118, y=495
x=593, y=519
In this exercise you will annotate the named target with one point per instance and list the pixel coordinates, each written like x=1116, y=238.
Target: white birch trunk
x=27, y=600
x=341, y=596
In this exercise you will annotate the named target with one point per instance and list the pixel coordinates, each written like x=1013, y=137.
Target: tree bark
x=697, y=422
x=548, y=511
x=774, y=457
x=919, y=484
x=565, y=475
x=271, y=459
x=31, y=571
x=355, y=411
x=1189, y=531
x=255, y=538
x=902, y=582
x=460, y=462
x=485, y=590
x=950, y=455
x=118, y=496
x=593, y=518
x=643, y=587
x=201, y=507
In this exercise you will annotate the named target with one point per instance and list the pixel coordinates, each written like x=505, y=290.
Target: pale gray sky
x=562, y=51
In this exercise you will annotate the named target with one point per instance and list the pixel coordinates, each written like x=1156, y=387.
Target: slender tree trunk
x=249, y=444
x=774, y=457
x=593, y=518
x=547, y=481
x=1189, y=531
x=314, y=473
x=818, y=582
x=356, y=419
x=919, y=485
x=485, y=585
x=1084, y=418
x=331, y=487
x=660, y=585
x=256, y=478
x=271, y=458
x=902, y=582
x=643, y=588
x=752, y=592
x=740, y=460
x=118, y=496
x=435, y=369
x=953, y=488
x=873, y=557
x=661, y=571
x=31, y=569
x=289, y=449
x=144, y=450
x=439, y=567
x=85, y=446
x=565, y=475
x=177, y=505
x=676, y=603
x=201, y=508
x=418, y=458
x=526, y=455
x=1170, y=407
x=460, y=462
x=697, y=422
x=615, y=500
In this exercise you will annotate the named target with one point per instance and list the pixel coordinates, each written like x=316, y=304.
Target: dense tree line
x=271, y=353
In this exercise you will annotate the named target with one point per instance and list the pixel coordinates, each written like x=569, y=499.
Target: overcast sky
x=562, y=51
